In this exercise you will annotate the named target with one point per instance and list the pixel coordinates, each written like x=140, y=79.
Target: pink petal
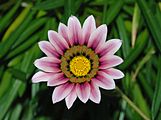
x=64, y=31
x=71, y=98
x=48, y=49
x=61, y=92
x=114, y=73
x=57, y=41
x=109, y=61
x=83, y=91
x=57, y=79
x=104, y=81
x=75, y=29
x=88, y=27
x=48, y=64
x=110, y=47
x=95, y=95
x=98, y=37
x=41, y=77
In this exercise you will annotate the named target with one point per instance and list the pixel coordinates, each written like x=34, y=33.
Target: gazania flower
x=79, y=61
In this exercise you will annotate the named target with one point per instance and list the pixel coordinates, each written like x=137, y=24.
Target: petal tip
x=33, y=79
x=40, y=44
x=61, y=25
x=91, y=17
x=50, y=32
x=35, y=62
x=112, y=87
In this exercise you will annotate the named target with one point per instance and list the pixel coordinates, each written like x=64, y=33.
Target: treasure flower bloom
x=79, y=61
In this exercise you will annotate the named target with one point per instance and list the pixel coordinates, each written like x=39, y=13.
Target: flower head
x=79, y=61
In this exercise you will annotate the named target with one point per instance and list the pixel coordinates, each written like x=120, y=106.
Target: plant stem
x=132, y=104
x=143, y=61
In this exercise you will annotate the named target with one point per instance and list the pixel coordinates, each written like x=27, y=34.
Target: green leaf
x=156, y=104
x=113, y=11
x=135, y=23
x=24, y=47
x=49, y=4
x=146, y=87
x=151, y=20
x=139, y=100
x=5, y=20
x=5, y=82
x=136, y=51
x=12, y=92
x=70, y=9
x=36, y=24
x=16, y=22
x=16, y=112
x=8, y=98
x=18, y=74
x=6, y=45
x=123, y=36
x=50, y=24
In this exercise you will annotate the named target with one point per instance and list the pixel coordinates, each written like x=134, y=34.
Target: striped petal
x=95, y=94
x=71, y=98
x=48, y=49
x=48, y=64
x=75, y=29
x=41, y=77
x=114, y=73
x=109, y=61
x=104, y=81
x=57, y=79
x=63, y=30
x=109, y=47
x=61, y=92
x=88, y=27
x=98, y=37
x=83, y=91
x=57, y=41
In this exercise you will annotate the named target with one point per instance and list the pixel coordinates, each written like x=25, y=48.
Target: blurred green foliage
x=23, y=23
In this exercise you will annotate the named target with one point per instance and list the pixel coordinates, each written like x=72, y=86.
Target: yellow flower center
x=80, y=66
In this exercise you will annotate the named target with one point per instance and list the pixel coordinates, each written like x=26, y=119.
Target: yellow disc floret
x=80, y=66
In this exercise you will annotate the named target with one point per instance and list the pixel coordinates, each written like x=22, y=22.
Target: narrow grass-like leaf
x=68, y=9
x=104, y=13
x=16, y=22
x=25, y=46
x=128, y=9
x=134, y=53
x=15, y=61
x=18, y=74
x=135, y=24
x=123, y=36
x=7, y=115
x=28, y=112
x=128, y=26
x=156, y=105
x=15, y=115
x=5, y=82
x=139, y=100
x=93, y=12
x=51, y=24
x=49, y=4
x=6, y=45
x=5, y=20
x=8, y=98
x=1, y=71
x=147, y=87
x=144, y=60
x=152, y=21
x=31, y=29
x=113, y=11
x=25, y=66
